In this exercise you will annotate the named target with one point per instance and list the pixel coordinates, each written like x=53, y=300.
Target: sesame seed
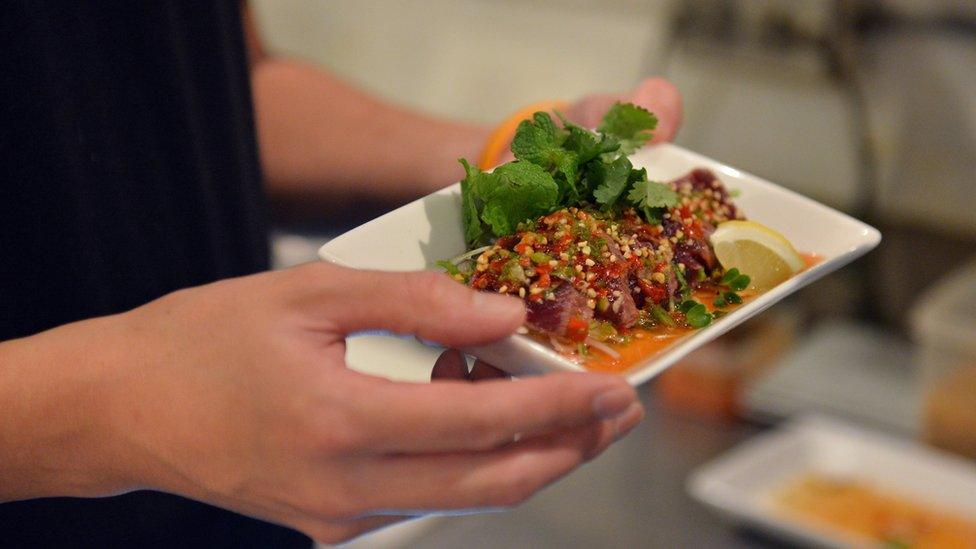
x=591, y=303
x=553, y=263
x=579, y=268
x=521, y=292
x=591, y=292
x=503, y=289
x=589, y=263
x=613, y=257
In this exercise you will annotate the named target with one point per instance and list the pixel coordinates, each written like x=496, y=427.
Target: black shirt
x=128, y=169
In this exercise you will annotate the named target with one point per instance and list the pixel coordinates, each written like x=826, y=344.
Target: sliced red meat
x=552, y=316
x=622, y=311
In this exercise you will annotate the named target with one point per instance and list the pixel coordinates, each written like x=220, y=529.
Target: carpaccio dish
x=612, y=267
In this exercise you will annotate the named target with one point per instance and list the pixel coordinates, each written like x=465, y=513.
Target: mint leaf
x=609, y=179
x=474, y=230
x=536, y=139
x=513, y=193
x=651, y=197
x=629, y=124
x=539, y=141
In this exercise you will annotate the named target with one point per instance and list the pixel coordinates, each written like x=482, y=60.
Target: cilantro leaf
x=629, y=124
x=650, y=197
x=609, y=180
x=474, y=230
x=513, y=193
x=586, y=144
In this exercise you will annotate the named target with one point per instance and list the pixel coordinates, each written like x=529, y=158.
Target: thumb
x=426, y=304
x=663, y=99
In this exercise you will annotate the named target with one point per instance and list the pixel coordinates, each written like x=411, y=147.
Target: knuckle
x=334, y=434
x=420, y=287
x=484, y=431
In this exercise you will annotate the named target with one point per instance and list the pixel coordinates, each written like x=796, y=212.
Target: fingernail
x=612, y=403
x=497, y=305
x=628, y=420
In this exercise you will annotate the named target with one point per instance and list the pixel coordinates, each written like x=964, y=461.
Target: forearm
x=54, y=433
x=321, y=138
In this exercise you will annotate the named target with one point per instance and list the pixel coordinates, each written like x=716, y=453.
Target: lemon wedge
x=756, y=250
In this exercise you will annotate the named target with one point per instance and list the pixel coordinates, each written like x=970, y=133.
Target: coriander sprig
x=557, y=167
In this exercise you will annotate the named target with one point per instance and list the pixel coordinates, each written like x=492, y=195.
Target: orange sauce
x=810, y=259
x=647, y=343
x=866, y=514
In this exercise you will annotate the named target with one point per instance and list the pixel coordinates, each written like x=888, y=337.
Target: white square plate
x=742, y=484
x=414, y=236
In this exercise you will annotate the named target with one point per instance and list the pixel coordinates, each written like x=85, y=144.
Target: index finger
x=457, y=415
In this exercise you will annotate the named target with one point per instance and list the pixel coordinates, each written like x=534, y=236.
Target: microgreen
x=735, y=280
x=696, y=314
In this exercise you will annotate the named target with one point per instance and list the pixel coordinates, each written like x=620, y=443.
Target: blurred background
x=869, y=107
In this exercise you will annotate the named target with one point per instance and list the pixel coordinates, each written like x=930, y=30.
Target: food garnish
x=765, y=254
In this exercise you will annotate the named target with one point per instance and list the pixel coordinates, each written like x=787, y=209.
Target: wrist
x=55, y=390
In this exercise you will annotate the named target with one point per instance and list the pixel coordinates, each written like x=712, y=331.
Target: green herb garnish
x=661, y=316
x=696, y=314
x=451, y=268
x=735, y=280
x=557, y=167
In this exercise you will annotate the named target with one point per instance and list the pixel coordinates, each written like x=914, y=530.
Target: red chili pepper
x=544, y=279
x=480, y=282
x=655, y=293
x=577, y=329
x=695, y=230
